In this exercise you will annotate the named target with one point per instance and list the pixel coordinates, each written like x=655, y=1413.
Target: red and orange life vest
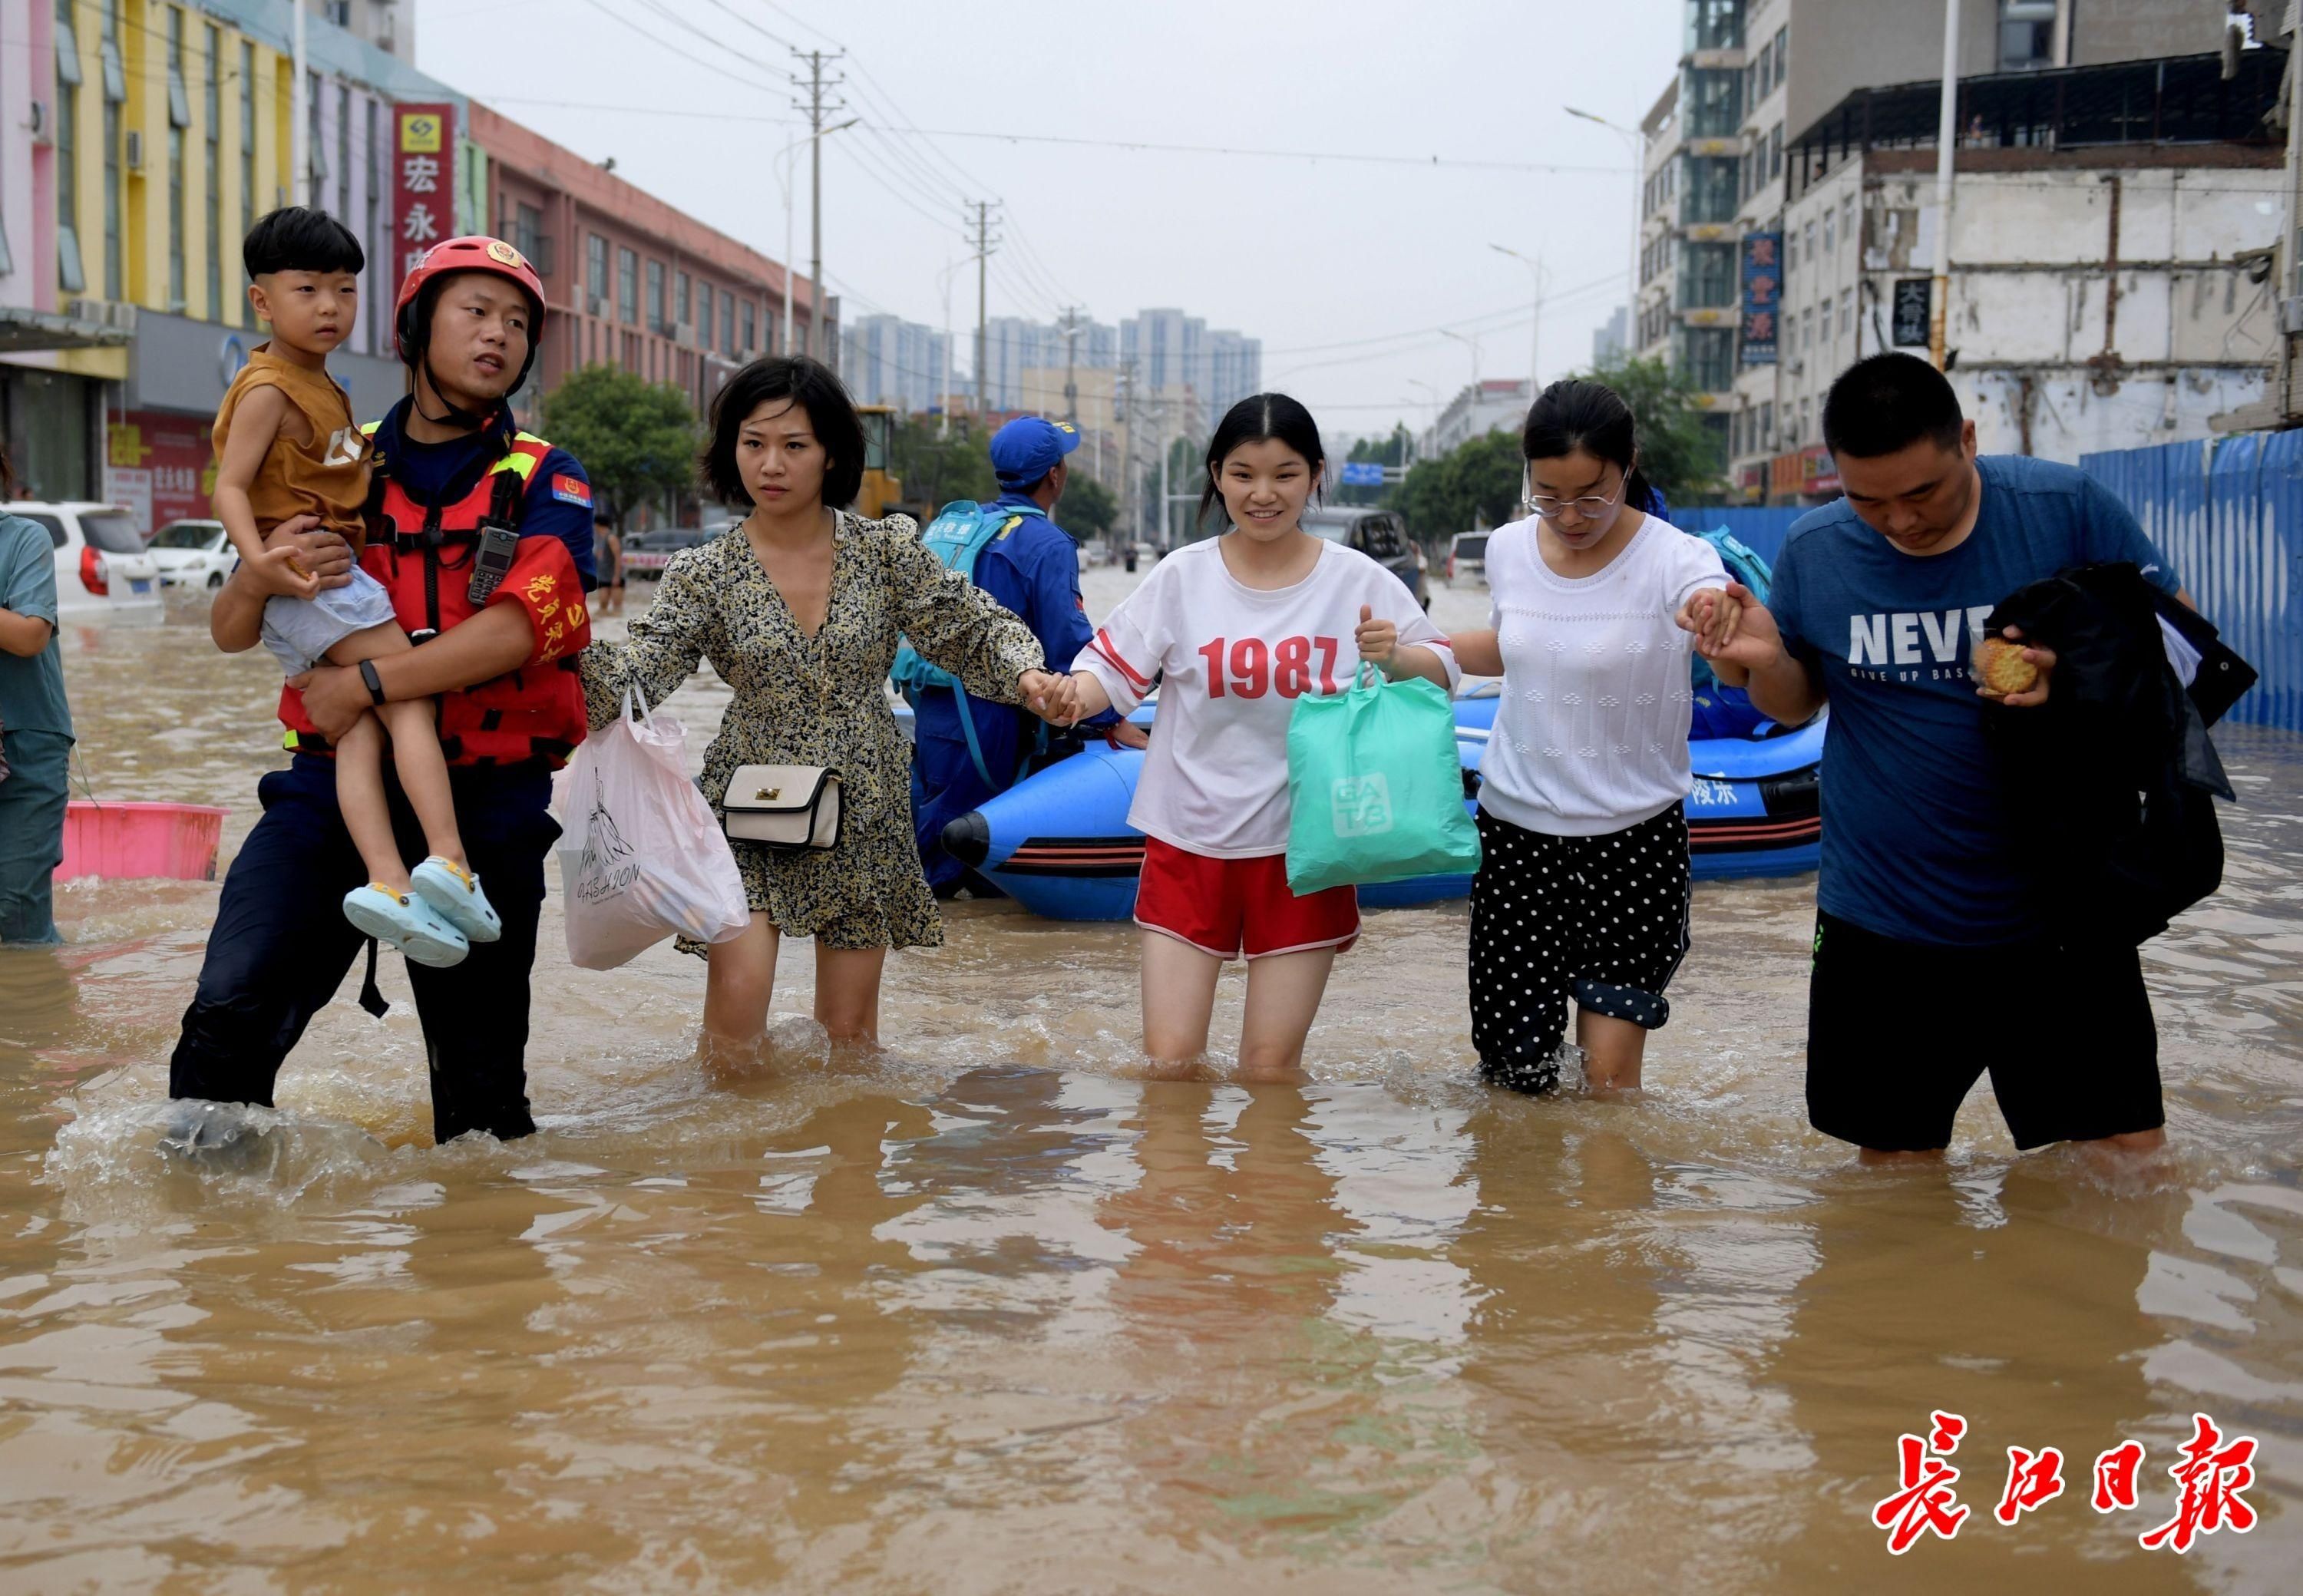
x=423, y=556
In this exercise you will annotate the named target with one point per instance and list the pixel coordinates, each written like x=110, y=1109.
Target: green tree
x=1392, y=450
x=1476, y=484
x=635, y=437
x=1088, y=509
x=1679, y=450
x=936, y=470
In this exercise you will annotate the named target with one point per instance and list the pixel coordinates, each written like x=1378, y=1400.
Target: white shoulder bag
x=784, y=805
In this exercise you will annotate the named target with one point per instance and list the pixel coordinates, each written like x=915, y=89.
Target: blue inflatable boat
x=1058, y=842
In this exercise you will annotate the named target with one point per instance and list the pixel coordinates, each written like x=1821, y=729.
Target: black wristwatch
x=375, y=682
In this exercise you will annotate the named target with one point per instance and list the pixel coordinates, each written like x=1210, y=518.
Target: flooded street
x=988, y=1314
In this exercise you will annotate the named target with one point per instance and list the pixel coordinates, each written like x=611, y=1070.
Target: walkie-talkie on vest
x=492, y=558
x=498, y=542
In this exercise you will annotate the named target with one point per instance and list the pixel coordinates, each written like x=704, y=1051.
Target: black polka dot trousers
x=1600, y=919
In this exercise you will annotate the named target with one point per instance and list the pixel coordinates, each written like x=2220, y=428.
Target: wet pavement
x=987, y=1313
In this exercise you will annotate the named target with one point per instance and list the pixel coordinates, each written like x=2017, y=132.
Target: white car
x=102, y=567
x=193, y=554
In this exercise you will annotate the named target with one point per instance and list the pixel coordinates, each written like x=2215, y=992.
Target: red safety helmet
x=412, y=312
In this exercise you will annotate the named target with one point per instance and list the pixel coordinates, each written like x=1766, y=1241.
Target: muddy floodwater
x=988, y=1314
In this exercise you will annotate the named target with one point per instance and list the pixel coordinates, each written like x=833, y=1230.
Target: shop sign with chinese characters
x=423, y=182
x=1763, y=292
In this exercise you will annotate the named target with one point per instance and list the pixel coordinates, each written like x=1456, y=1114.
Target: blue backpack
x=961, y=532
x=1743, y=565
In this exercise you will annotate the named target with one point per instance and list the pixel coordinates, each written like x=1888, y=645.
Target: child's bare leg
x=360, y=795
x=416, y=753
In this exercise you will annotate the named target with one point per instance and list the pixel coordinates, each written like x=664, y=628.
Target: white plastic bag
x=641, y=856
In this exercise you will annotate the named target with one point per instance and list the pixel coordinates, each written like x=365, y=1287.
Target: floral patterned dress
x=802, y=700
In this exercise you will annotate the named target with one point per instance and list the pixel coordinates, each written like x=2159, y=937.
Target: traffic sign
x=1361, y=473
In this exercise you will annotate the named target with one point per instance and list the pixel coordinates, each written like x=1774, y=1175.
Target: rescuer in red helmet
x=483, y=536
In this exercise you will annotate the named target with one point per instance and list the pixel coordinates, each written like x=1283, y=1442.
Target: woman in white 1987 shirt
x=1583, y=890
x=1236, y=630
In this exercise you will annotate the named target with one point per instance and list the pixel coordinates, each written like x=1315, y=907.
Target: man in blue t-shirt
x=1031, y=567
x=1931, y=959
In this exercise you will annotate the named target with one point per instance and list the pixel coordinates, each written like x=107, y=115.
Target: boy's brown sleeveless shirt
x=326, y=477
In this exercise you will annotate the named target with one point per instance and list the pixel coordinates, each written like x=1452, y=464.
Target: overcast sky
x=1345, y=268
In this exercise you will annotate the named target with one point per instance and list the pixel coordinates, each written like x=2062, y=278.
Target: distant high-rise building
x=1171, y=351
x=1608, y=341
x=886, y=360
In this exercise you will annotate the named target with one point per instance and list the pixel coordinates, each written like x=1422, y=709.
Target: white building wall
x=2047, y=364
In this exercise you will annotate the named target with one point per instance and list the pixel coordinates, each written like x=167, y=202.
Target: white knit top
x=1590, y=735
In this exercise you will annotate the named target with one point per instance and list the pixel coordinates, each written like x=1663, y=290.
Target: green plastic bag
x=1376, y=789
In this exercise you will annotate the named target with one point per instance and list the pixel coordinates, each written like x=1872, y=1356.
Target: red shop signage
x=423, y=182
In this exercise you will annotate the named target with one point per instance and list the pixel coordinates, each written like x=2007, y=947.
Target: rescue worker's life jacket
x=422, y=553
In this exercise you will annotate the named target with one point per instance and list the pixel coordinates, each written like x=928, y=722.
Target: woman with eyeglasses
x=1583, y=890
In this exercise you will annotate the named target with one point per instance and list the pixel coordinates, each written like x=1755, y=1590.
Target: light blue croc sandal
x=455, y=892
x=404, y=921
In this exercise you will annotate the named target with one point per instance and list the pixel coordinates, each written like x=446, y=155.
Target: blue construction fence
x=2228, y=513
x=1758, y=528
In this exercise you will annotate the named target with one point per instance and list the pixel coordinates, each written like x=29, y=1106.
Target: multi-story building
x=2112, y=227
x=157, y=132
x=886, y=360
x=1652, y=298
x=1754, y=76
x=390, y=25
x=140, y=138
x=630, y=281
x=1611, y=338
x=1477, y=410
x=1171, y=352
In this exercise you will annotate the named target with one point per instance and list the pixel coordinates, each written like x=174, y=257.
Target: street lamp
x=1433, y=400
x=1473, y=341
x=784, y=181
x=1638, y=142
x=1535, y=338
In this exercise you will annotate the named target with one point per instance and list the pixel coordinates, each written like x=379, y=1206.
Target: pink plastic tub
x=140, y=841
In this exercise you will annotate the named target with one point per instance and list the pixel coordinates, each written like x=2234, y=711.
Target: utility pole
x=1946, y=153
x=1071, y=364
x=1167, y=452
x=300, y=119
x=1131, y=490
x=815, y=343
x=984, y=243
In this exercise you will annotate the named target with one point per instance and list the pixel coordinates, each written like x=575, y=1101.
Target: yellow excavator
x=881, y=492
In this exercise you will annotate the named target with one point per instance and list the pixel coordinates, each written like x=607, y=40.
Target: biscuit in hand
x=2000, y=666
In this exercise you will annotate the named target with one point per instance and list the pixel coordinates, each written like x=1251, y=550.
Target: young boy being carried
x=287, y=444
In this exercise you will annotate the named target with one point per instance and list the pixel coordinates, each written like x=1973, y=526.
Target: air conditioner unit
x=597, y=305
x=42, y=123
x=685, y=332
x=118, y=313
x=135, y=151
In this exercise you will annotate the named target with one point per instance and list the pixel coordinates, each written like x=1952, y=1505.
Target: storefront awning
x=23, y=330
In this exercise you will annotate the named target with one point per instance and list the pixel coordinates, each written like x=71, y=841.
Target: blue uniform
x=1032, y=568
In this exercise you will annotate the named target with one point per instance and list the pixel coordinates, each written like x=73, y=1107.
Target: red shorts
x=1231, y=907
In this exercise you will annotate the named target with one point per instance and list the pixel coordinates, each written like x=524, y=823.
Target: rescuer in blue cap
x=1031, y=566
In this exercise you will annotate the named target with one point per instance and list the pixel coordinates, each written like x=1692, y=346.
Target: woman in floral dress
x=800, y=608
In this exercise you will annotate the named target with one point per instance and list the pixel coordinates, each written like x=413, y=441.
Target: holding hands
x=1732, y=628
x=1052, y=696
